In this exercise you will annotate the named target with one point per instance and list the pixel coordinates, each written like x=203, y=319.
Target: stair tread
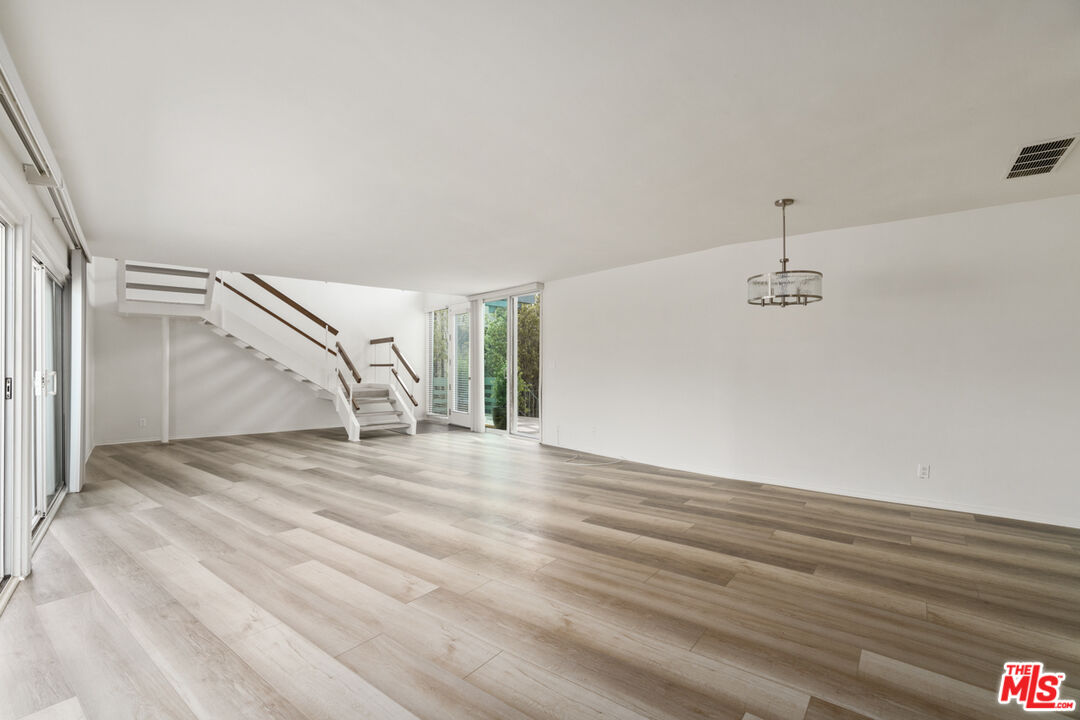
x=376, y=409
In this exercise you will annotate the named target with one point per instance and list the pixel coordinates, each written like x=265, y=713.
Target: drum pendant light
x=787, y=287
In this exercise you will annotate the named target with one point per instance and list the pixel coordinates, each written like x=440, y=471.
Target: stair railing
x=250, y=311
x=398, y=369
x=339, y=373
x=331, y=370
x=240, y=293
x=350, y=375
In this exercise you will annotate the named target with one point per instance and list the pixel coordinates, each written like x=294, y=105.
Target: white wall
x=127, y=377
x=361, y=314
x=219, y=389
x=951, y=340
x=215, y=387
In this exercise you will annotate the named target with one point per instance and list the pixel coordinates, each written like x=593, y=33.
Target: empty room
x=640, y=360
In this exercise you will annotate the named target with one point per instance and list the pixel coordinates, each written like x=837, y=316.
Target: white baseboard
x=208, y=437
x=974, y=508
x=6, y=591
x=43, y=526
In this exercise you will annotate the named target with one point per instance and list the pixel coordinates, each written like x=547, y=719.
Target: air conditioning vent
x=1041, y=158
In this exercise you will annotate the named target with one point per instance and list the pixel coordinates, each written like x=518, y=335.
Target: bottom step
x=384, y=426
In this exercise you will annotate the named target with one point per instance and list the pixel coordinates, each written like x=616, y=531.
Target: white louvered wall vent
x=1040, y=158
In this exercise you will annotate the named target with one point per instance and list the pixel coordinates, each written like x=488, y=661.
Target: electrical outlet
x=924, y=472
x=142, y=422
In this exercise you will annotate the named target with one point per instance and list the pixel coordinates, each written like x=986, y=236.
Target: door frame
x=483, y=360
x=42, y=280
x=512, y=368
x=474, y=418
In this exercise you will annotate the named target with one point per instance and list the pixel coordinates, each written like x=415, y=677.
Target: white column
x=165, y=352
x=77, y=393
x=19, y=412
x=476, y=364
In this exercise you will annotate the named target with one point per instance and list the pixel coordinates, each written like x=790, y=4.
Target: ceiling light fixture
x=787, y=287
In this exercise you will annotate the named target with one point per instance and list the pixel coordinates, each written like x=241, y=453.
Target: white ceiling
x=460, y=146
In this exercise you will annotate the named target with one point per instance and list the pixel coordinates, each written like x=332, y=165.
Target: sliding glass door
x=512, y=364
x=49, y=461
x=508, y=334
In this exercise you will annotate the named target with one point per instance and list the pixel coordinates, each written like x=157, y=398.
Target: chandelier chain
x=783, y=231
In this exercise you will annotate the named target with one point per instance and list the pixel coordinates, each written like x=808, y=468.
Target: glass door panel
x=496, y=331
x=525, y=419
x=460, y=343
x=461, y=362
x=439, y=376
x=48, y=407
x=55, y=446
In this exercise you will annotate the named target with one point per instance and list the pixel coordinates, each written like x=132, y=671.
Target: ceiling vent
x=1040, y=158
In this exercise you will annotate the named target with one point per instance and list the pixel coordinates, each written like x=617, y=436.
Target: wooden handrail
x=290, y=302
x=348, y=362
x=348, y=392
x=402, y=384
x=405, y=363
x=274, y=315
x=379, y=341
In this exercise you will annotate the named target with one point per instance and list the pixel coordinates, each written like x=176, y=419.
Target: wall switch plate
x=924, y=472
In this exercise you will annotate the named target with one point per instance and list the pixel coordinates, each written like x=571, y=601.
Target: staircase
x=378, y=409
x=261, y=320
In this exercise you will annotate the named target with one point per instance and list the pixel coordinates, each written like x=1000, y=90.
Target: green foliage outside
x=495, y=370
x=495, y=363
x=528, y=351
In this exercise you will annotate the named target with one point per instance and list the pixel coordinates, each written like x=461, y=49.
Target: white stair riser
x=378, y=419
x=379, y=408
x=387, y=426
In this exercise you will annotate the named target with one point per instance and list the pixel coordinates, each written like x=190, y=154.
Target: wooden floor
x=454, y=575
